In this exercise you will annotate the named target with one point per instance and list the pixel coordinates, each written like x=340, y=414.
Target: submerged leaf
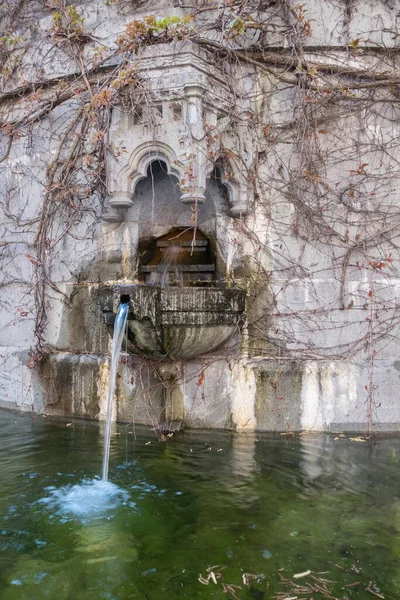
x=299, y=575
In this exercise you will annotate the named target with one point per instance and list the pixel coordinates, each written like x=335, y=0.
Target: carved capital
x=120, y=200
x=193, y=197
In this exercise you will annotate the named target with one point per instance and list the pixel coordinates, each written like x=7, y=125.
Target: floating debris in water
x=230, y=588
x=375, y=591
x=314, y=585
x=212, y=576
x=249, y=577
x=299, y=575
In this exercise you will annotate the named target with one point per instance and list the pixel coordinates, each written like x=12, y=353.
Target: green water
x=250, y=503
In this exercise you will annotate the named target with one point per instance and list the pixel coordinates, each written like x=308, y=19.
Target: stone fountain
x=177, y=312
x=181, y=305
x=178, y=323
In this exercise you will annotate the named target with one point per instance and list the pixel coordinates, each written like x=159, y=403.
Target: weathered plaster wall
x=215, y=392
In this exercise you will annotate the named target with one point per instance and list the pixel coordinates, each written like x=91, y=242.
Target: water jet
x=119, y=328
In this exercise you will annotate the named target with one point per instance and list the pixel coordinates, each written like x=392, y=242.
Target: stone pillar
x=195, y=161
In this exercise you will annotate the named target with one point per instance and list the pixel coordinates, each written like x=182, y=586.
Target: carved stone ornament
x=176, y=137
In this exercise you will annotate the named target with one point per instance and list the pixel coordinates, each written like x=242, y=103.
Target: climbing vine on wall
x=324, y=174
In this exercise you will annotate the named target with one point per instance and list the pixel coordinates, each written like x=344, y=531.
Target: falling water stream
x=119, y=328
x=164, y=276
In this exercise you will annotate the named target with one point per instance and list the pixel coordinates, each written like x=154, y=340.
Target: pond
x=210, y=514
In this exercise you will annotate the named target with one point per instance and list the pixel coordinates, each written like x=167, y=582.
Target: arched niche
x=122, y=182
x=156, y=203
x=142, y=159
x=233, y=192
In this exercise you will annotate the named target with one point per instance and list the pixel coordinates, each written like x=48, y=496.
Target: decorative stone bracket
x=181, y=143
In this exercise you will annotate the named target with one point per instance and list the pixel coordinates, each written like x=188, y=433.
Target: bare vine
x=324, y=173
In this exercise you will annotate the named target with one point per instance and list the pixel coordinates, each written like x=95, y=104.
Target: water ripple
x=91, y=499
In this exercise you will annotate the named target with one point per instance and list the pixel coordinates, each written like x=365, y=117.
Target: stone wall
x=283, y=372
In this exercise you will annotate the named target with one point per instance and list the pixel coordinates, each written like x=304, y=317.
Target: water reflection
x=243, y=461
x=254, y=503
x=311, y=463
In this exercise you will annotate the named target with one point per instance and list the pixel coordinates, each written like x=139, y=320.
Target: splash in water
x=119, y=328
x=93, y=498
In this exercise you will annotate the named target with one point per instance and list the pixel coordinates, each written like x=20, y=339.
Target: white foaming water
x=93, y=498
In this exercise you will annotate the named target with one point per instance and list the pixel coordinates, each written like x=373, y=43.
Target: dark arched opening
x=181, y=257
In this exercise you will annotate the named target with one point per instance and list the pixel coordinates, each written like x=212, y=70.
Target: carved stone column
x=195, y=160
